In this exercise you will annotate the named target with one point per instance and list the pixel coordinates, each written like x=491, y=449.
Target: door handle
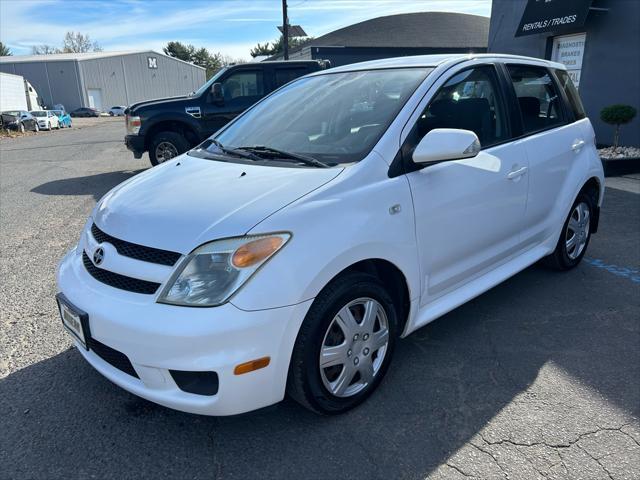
x=517, y=173
x=577, y=145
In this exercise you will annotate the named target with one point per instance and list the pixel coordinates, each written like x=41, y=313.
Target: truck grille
x=119, y=281
x=133, y=250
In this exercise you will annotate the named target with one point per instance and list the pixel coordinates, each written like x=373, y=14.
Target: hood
x=159, y=101
x=188, y=201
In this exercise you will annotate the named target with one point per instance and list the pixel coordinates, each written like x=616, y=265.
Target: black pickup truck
x=170, y=126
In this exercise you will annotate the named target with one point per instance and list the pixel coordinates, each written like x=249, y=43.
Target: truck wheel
x=165, y=146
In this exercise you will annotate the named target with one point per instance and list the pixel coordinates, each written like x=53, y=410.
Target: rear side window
x=285, y=75
x=571, y=92
x=243, y=87
x=538, y=98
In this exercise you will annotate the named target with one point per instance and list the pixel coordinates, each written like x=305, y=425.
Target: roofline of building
x=76, y=57
x=310, y=42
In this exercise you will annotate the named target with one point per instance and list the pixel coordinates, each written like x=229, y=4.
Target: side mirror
x=444, y=144
x=216, y=93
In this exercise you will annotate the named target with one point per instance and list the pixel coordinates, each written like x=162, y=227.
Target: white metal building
x=104, y=79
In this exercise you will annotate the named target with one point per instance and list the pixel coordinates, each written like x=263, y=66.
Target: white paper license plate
x=72, y=320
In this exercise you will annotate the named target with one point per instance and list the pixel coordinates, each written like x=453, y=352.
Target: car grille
x=119, y=281
x=113, y=357
x=132, y=250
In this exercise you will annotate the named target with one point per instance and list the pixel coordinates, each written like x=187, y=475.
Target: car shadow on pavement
x=96, y=185
x=61, y=419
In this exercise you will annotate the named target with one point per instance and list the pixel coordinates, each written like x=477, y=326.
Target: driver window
x=243, y=87
x=468, y=101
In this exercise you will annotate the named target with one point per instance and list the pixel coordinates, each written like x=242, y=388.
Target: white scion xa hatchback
x=349, y=208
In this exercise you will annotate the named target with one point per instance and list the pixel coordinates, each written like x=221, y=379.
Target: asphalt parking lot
x=537, y=378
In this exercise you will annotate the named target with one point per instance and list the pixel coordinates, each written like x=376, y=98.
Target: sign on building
x=552, y=16
x=569, y=50
x=152, y=62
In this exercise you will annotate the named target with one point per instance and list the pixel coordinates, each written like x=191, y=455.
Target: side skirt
x=476, y=287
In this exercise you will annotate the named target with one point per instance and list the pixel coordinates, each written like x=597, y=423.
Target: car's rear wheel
x=165, y=146
x=575, y=236
x=344, y=346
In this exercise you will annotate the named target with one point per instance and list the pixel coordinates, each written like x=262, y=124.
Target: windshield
x=209, y=82
x=12, y=112
x=334, y=117
x=39, y=114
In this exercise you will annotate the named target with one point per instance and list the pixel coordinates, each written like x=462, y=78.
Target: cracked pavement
x=535, y=379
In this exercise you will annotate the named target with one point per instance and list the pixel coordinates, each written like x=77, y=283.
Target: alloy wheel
x=165, y=151
x=354, y=347
x=577, y=232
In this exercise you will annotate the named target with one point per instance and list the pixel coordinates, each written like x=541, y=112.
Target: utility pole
x=285, y=30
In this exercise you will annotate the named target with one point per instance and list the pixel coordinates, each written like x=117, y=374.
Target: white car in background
x=117, y=111
x=47, y=119
x=346, y=209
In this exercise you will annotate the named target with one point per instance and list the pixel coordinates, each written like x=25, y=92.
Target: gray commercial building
x=420, y=33
x=597, y=40
x=105, y=79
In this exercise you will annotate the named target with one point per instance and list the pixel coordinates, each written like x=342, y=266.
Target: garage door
x=95, y=98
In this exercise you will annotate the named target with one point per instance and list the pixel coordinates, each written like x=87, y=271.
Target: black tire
x=174, y=139
x=21, y=127
x=560, y=259
x=304, y=382
x=36, y=127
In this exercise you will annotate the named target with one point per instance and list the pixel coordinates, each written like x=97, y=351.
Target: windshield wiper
x=274, y=152
x=235, y=152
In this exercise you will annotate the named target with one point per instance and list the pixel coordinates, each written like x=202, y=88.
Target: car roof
x=434, y=61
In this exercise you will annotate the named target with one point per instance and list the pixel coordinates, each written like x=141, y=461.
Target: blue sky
x=231, y=27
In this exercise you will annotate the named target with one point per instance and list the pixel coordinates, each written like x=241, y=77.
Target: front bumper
x=157, y=338
x=135, y=143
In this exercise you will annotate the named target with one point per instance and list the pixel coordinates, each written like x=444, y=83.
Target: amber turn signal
x=252, y=365
x=256, y=251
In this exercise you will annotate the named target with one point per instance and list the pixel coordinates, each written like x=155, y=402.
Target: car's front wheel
x=344, y=345
x=36, y=127
x=575, y=236
x=21, y=127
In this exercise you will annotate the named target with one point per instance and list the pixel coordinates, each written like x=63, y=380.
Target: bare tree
x=76, y=42
x=44, y=50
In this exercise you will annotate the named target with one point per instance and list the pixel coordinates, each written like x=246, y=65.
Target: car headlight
x=210, y=274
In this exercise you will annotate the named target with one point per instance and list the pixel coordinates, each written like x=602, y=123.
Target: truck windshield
x=334, y=117
x=208, y=83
